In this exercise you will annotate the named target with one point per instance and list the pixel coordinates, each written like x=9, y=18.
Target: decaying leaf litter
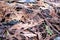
x=40, y=21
